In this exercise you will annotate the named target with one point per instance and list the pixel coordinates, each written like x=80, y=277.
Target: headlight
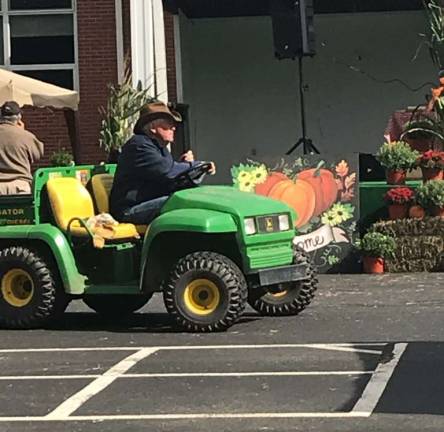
x=284, y=222
x=250, y=226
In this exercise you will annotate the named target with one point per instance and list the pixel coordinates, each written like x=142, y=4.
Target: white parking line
x=185, y=375
x=332, y=347
x=64, y=412
x=377, y=384
x=76, y=401
x=101, y=418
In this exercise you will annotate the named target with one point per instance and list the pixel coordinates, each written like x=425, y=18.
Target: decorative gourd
x=324, y=185
x=299, y=195
x=273, y=178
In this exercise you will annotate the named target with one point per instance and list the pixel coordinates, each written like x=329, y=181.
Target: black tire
x=115, y=305
x=30, y=292
x=222, y=284
x=286, y=299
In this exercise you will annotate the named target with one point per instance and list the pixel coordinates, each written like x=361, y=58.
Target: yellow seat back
x=69, y=199
x=101, y=185
x=101, y=188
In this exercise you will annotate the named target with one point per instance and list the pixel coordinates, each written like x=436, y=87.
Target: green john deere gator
x=210, y=251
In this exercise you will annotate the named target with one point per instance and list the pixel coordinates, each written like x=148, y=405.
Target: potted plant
x=432, y=165
x=375, y=248
x=399, y=200
x=417, y=212
x=397, y=158
x=430, y=196
x=61, y=157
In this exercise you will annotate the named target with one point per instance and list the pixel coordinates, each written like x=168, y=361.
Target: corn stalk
x=121, y=112
x=435, y=36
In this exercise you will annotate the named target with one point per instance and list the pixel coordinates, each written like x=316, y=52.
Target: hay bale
x=419, y=244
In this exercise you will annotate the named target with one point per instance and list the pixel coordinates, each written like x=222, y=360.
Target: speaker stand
x=307, y=144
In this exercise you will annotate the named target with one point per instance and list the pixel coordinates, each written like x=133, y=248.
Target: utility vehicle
x=210, y=251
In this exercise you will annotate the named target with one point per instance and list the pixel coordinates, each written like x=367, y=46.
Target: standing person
x=145, y=173
x=19, y=149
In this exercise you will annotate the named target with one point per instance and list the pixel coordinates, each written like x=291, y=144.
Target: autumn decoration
x=375, y=248
x=321, y=195
x=397, y=158
x=430, y=196
x=432, y=165
x=399, y=200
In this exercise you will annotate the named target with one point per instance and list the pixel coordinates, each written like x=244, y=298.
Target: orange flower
x=342, y=168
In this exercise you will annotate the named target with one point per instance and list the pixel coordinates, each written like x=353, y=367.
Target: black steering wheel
x=193, y=176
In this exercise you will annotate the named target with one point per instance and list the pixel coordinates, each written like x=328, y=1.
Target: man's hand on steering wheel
x=194, y=175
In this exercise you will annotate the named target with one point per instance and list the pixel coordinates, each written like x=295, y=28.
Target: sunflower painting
x=322, y=192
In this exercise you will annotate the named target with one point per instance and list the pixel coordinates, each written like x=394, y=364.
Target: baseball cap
x=10, y=108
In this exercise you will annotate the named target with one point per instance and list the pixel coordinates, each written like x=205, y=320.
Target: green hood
x=226, y=199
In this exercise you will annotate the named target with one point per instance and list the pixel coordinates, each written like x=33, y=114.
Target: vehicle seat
x=69, y=199
x=101, y=185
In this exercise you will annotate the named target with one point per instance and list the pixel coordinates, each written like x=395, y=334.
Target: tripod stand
x=307, y=144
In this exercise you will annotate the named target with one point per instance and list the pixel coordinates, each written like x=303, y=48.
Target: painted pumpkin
x=324, y=185
x=299, y=195
x=265, y=187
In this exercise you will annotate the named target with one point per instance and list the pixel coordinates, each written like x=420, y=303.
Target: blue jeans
x=144, y=213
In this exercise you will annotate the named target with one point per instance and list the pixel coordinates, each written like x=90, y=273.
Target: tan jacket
x=18, y=150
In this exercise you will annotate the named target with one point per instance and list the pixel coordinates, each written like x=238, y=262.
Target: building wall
x=244, y=102
x=170, y=56
x=97, y=67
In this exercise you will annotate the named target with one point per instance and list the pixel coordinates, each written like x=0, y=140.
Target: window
x=38, y=39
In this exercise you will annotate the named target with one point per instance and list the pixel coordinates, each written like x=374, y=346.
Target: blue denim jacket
x=145, y=171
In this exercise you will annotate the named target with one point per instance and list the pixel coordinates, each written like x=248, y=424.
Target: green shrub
x=377, y=245
x=397, y=155
x=61, y=157
x=431, y=194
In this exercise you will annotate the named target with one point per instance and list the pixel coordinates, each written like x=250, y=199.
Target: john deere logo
x=269, y=224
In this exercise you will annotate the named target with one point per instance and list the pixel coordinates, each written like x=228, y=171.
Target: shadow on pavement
x=134, y=323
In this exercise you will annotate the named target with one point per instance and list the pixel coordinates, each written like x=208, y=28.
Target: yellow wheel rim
x=17, y=287
x=279, y=294
x=201, y=297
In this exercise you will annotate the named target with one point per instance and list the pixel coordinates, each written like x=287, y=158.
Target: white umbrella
x=29, y=91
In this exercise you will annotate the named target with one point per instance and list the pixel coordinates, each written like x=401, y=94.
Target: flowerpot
x=398, y=211
x=373, y=264
x=417, y=212
x=395, y=177
x=432, y=174
x=437, y=211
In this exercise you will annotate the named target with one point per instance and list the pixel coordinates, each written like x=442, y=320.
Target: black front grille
x=268, y=224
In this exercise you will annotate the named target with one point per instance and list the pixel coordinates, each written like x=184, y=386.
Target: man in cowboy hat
x=145, y=173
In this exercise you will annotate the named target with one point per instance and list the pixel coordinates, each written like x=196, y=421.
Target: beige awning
x=29, y=91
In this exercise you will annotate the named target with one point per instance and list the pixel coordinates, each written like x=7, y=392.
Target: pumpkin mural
x=322, y=192
x=273, y=178
x=324, y=185
x=299, y=195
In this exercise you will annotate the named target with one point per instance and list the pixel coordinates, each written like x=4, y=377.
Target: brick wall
x=97, y=67
x=170, y=56
x=50, y=127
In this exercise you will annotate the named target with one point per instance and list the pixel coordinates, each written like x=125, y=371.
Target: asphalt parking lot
x=349, y=363
x=239, y=382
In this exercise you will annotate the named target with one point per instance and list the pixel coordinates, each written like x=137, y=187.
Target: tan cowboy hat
x=154, y=111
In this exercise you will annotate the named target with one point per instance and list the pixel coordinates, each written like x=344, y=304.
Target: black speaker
x=293, y=28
